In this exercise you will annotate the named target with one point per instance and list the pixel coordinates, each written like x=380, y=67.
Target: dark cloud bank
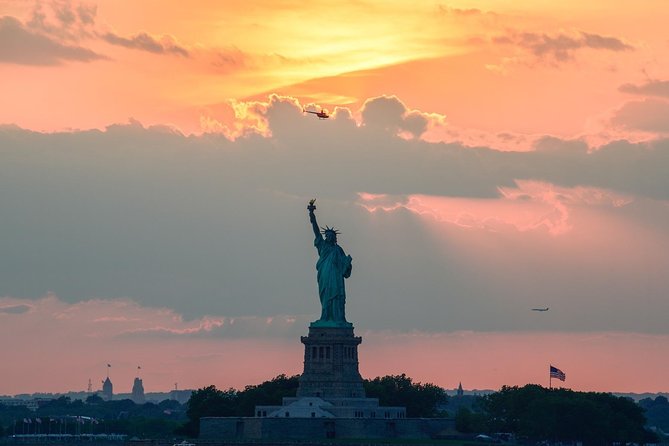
x=21, y=45
x=56, y=36
x=145, y=42
x=210, y=226
x=561, y=47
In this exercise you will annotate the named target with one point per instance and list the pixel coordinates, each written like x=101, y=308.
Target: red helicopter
x=323, y=114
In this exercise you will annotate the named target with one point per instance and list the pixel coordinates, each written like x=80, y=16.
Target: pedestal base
x=331, y=363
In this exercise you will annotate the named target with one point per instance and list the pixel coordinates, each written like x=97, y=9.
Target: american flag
x=557, y=373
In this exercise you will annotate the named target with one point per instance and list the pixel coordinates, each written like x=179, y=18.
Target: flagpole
x=550, y=378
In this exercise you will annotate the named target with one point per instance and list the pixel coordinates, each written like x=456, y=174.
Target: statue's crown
x=327, y=229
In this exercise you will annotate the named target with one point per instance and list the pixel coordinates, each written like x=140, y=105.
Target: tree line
x=419, y=399
x=531, y=413
x=534, y=413
x=657, y=412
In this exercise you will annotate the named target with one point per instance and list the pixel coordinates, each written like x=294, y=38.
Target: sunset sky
x=482, y=158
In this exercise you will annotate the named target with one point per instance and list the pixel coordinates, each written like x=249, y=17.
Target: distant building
x=16, y=402
x=138, y=392
x=460, y=400
x=180, y=396
x=107, y=389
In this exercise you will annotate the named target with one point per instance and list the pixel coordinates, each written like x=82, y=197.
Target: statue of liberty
x=333, y=267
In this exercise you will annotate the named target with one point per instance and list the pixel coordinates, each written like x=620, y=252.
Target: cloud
x=487, y=18
x=108, y=319
x=651, y=88
x=550, y=144
x=528, y=206
x=461, y=170
x=50, y=38
x=453, y=169
x=93, y=331
x=63, y=21
x=15, y=308
x=596, y=41
x=283, y=117
x=146, y=42
x=123, y=333
x=447, y=10
x=388, y=114
x=226, y=327
x=561, y=47
x=209, y=225
x=25, y=47
x=280, y=116
x=229, y=59
x=87, y=13
x=649, y=115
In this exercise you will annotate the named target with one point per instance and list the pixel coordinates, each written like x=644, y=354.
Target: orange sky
x=516, y=67
x=191, y=353
x=474, y=127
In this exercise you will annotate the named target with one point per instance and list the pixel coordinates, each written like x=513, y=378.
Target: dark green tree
x=63, y=415
x=94, y=399
x=9, y=415
x=170, y=405
x=656, y=411
x=419, y=399
x=538, y=414
x=208, y=402
x=268, y=393
x=468, y=421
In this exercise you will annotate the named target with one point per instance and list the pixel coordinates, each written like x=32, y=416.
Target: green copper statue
x=333, y=267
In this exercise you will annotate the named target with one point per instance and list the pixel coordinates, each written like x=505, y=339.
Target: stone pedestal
x=331, y=386
x=331, y=364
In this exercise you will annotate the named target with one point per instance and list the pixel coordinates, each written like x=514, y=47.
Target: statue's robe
x=333, y=267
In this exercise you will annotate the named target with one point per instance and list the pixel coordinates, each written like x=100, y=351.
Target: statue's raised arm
x=312, y=218
x=332, y=268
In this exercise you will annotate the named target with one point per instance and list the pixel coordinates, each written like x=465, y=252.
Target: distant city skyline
x=480, y=158
x=183, y=395
x=153, y=397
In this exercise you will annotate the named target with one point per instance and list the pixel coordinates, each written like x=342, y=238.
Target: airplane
x=540, y=309
x=323, y=114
